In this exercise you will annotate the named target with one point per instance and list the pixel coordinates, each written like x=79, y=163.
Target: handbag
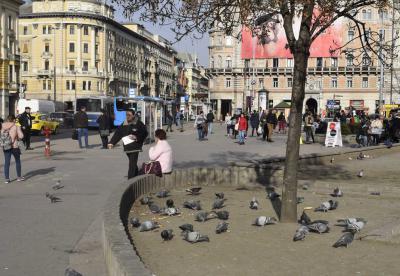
x=74, y=134
x=152, y=167
x=104, y=132
x=237, y=126
x=260, y=130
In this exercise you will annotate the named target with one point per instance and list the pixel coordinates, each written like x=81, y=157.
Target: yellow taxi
x=40, y=121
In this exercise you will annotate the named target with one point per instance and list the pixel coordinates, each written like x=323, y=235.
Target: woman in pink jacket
x=14, y=132
x=162, y=152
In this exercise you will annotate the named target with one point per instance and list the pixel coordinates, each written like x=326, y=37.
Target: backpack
x=5, y=140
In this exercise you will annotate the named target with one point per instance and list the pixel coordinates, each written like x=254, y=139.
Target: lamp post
x=54, y=64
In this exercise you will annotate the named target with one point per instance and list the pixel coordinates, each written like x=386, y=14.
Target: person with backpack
x=308, y=124
x=25, y=120
x=10, y=136
x=178, y=119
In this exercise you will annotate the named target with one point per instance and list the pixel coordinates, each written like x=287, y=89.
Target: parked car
x=40, y=121
x=65, y=119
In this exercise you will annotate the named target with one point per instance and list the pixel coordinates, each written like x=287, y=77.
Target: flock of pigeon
x=351, y=225
x=52, y=197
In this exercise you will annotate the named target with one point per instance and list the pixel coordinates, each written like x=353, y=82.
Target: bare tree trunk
x=289, y=196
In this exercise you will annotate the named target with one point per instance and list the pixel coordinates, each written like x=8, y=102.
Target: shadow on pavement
x=39, y=172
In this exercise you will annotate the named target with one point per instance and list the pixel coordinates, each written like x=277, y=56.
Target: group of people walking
x=204, y=124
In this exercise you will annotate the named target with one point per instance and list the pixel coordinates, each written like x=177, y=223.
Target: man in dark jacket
x=272, y=121
x=133, y=134
x=81, y=123
x=254, y=122
x=25, y=120
x=210, y=121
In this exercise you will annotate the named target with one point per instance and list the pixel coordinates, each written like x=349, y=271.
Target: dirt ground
x=269, y=250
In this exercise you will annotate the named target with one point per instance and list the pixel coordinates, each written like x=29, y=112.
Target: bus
x=93, y=105
x=149, y=110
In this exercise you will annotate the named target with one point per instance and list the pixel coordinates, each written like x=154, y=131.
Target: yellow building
x=9, y=55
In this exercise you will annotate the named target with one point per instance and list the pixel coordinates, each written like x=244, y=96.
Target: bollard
x=46, y=133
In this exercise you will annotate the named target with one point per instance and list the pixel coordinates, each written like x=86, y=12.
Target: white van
x=41, y=106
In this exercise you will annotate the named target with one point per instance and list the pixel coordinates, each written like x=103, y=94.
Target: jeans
x=210, y=127
x=169, y=127
x=200, y=133
x=83, y=132
x=7, y=161
x=309, y=133
x=242, y=134
x=133, y=168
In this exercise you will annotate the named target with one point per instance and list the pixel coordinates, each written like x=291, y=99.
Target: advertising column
x=262, y=99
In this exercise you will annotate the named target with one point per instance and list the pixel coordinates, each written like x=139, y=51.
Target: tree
x=194, y=17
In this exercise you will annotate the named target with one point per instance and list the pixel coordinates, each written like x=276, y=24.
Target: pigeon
x=301, y=233
x=262, y=220
x=58, y=185
x=194, y=190
x=304, y=219
x=135, y=222
x=254, y=204
x=305, y=187
x=361, y=156
x=375, y=193
x=186, y=227
x=194, y=237
x=360, y=173
x=154, y=208
x=332, y=159
x=162, y=193
x=203, y=216
x=72, y=272
x=327, y=205
x=318, y=227
x=218, y=203
x=272, y=195
x=221, y=227
x=53, y=198
x=300, y=199
x=170, y=203
x=224, y=215
x=337, y=192
x=192, y=204
x=167, y=235
x=148, y=225
x=344, y=240
x=356, y=226
x=146, y=200
x=170, y=211
x=220, y=195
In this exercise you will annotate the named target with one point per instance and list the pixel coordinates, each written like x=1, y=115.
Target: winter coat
x=25, y=120
x=104, y=122
x=200, y=120
x=81, y=120
x=242, y=124
x=309, y=120
x=162, y=152
x=254, y=120
x=210, y=117
x=137, y=128
x=14, y=131
x=228, y=120
x=271, y=118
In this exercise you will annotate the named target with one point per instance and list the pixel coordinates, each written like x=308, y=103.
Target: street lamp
x=54, y=61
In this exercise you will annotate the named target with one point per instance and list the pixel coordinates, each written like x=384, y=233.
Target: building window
x=228, y=40
x=96, y=65
x=319, y=62
x=85, y=48
x=369, y=14
x=219, y=40
x=261, y=83
x=25, y=48
x=366, y=61
x=334, y=82
x=85, y=30
x=275, y=62
x=365, y=82
x=84, y=85
x=228, y=82
x=349, y=82
x=71, y=65
x=334, y=62
x=383, y=14
x=46, y=65
x=319, y=84
x=46, y=84
x=382, y=34
x=71, y=47
x=350, y=35
x=289, y=63
x=212, y=62
x=44, y=30
x=25, y=66
x=25, y=30
x=246, y=63
x=219, y=62
x=289, y=82
x=10, y=22
x=349, y=60
x=71, y=29
x=378, y=83
x=47, y=48
x=85, y=66
x=96, y=49
x=228, y=62
x=364, y=14
x=275, y=82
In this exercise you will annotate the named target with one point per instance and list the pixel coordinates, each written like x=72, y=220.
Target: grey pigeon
x=360, y=173
x=272, y=195
x=167, y=235
x=337, y=192
x=170, y=203
x=194, y=237
x=318, y=227
x=192, y=204
x=262, y=220
x=186, y=227
x=301, y=233
x=194, y=190
x=304, y=219
x=148, y=225
x=58, y=185
x=146, y=200
x=221, y=227
x=154, y=208
x=327, y=205
x=348, y=221
x=361, y=156
x=375, y=193
x=218, y=203
x=53, y=198
x=224, y=215
x=170, y=211
x=220, y=195
x=332, y=159
x=162, y=193
x=203, y=216
x=254, y=204
x=135, y=222
x=356, y=226
x=72, y=272
x=305, y=187
x=344, y=240
x=300, y=199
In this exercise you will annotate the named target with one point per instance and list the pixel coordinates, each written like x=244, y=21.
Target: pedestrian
x=133, y=134
x=376, y=129
x=162, y=152
x=264, y=125
x=308, y=125
x=81, y=123
x=228, y=123
x=272, y=121
x=25, y=120
x=242, y=127
x=199, y=125
x=282, y=123
x=254, y=122
x=1, y=122
x=170, y=120
x=178, y=120
x=11, y=134
x=104, y=127
x=210, y=121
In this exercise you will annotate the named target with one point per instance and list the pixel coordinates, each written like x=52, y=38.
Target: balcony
x=46, y=55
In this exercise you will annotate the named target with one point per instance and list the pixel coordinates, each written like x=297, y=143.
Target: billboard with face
x=273, y=44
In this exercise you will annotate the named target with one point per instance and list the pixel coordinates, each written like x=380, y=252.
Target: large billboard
x=274, y=43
